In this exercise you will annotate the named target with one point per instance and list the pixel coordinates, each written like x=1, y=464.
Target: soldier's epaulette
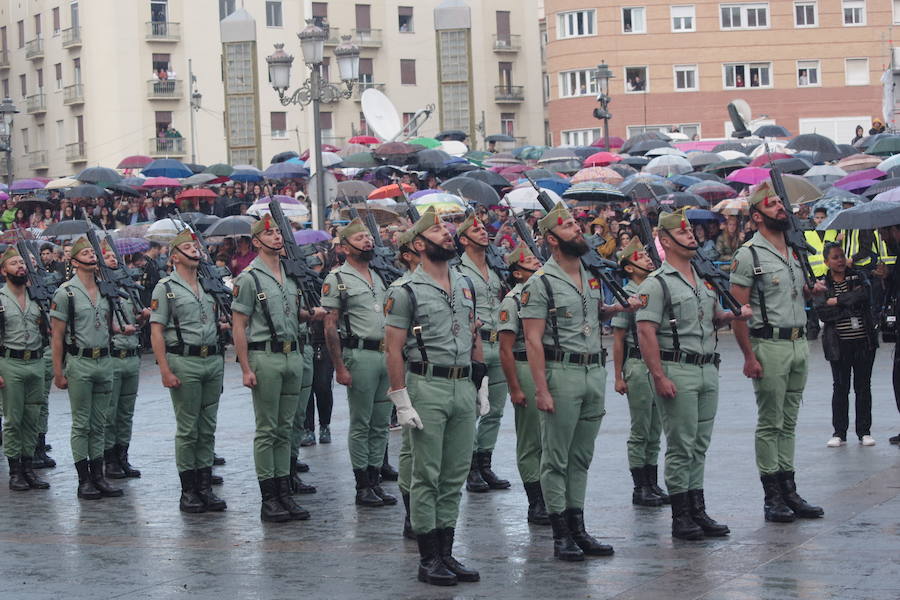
x=539, y=272
x=166, y=279
x=747, y=244
x=655, y=273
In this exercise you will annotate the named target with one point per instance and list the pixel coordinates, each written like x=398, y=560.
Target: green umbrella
x=220, y=170
x=885, y=146
x=426, y=141
x=530, y=152
x=476, y=157
x=360, y=160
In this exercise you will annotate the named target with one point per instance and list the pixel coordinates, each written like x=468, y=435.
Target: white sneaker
x=835, y=442
x=867, y=440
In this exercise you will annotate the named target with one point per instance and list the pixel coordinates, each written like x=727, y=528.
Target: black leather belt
x=94, y=353
x=279, y=347
x=355, y=343
x=778, y=333
x=576, y=358
x=201, y=351
x=521, y=355
x=487, y=335
x=633, y=352
x=21, y=354
x=420, y=368
x=689, y=358
x=124, y=353
x=305, y=339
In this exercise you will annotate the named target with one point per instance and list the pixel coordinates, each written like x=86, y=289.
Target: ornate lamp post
x=7, y=110
x=602, y=76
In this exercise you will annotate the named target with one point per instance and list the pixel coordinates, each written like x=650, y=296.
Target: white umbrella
x=329, y=159
x=663, y=150
x=885, y=165
x=454, y=147
x=731, y=154
x=382, y=202
x=774, y=147
x=290, y=211
x=525, y=198
x=63, y=182
x=825, y=170
x=668, y=165
x=165, y=230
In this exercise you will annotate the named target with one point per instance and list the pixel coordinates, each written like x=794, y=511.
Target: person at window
x=739, y=81
x=638, y=84
x=803, y=77
x=754, y=80
x=860, y=133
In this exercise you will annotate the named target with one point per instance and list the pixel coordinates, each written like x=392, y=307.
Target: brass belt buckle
x=381, y=346
x=204, y=351
x=95, y=353
x=455, y=372
x=493, y=336
x=123, y=353
x=286, y=347
x=795, y=333
x=26, y=355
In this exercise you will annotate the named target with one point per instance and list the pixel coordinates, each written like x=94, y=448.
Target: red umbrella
x=601, y=159
x=197, y=193
x=763, y=159
x=614, y=142
x=513, y=173
x=161, y=182
x=363, y=139
x=390, y=191
x=138, y=161
x=325, y=148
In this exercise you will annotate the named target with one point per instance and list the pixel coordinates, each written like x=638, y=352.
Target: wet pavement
x=140, y=546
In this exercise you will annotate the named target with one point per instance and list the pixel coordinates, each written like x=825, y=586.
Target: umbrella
x=891, y=195
x=562, y=166
x=63, y=182
x=733, y=146
x=283, y=156
x=748, y=175
x=137, y=161
x=684, y=180
x=420, y=193
x=712, y=190
x=85, y=191
x=196, y=193
x=472, y=190
x=219, y=170
x=643, y=146
x=734, y=155
x=99, y=176
x=792, y=165
x=680, y=199
x=235, y=226
x=499, y=137
x=554, y=154
x=881, y=186
x=526, y=198
x=502, y=159
x=826, y=171
x=432, y=159
x=614, y=142
x=199, y=221
x=293, y=208
x=799, y=189
x=164, y=230
x=452, y=134
x=251, y=175
x=763, y=159
x=885, y=146
x=133, y=181
x=859, y=184
x=552, y=183
x=363, y=139
x=623, y=169
x=284, y=170
x=863, y=175
x=199, y=179
x=594, y=191
x=643, y=137
x=167, y=167
x=601, y=159
x=536, y=173
x=495, y=180
x=354, y=190
x=351, y=149
x=129, y=245
x=842, y=196
x=871, y=215
x=69, y=229
x=831, y=205
x=531, y=152
x=703, y=159
x=646, y=185
x=329, y=160
x=771, y=131
x=161, y=182
x=391, y=191
x=858, y=162
x=360, y=160
x=665, y=150
x=732, y=206
x=123, y=190
x=311, y=236
x=602, y=174
x=698, y=215
x=889, y=163
x=454, y=148
x=389, y=149
x=725, y=167
x=635, y=161
x=383, y=216
x=668, y=165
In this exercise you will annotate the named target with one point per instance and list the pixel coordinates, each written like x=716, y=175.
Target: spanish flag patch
x=154, y=304
x=525, y=297
x=595, y=285
x=326, y=288
x=504, y=316
x=235, y=290
x=644, y=300
x=388, y=305
x=467, y=293
x=709, y=286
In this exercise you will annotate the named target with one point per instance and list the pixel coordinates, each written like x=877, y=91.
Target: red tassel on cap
x=193, y=236
x=268, y=223
x=769, y=202
x=521, y=256
x=634, y=256
x=559, y=220
x=683, y=224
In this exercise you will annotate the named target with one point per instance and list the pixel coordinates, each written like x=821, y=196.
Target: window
x=636, y=79
x=508, y=124
x=25, y=139
x=405, y=19
x=37, y=26
x=744, y=16
x=505, y=73
x=273, y=14
x=754, y=75
x=806, y=14
x=808, y=73
x=325, y=123
x=366, y=76
x=58, y=71
x=856, y=71
x=407, y=71
x=503, y=28
x=73, y=17
x=60, y=134
x=320, y=14
x=278, y=123
x=363, y=20
x=580, y=137
x=226, y=7
x=6, y=88
x=633, y=20
x=76, y=70
x=21, y=27
x=685, y=78
x=577, y=83
x=682, y=18
x=40, y=80
x=546, y=88
x=159, y=11
x=3, y=41
x=23, y=85
x=160, y=62
x=896, y=12
x=407, y=117
x=577, y=23
x=854, y=12
x=56, y=27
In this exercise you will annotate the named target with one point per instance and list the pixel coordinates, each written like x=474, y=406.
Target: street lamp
x=7, y=110
x=602, y=76
x=314, y=91
x=195, y=98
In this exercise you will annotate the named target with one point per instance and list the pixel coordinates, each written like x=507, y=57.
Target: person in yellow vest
x=817, y=239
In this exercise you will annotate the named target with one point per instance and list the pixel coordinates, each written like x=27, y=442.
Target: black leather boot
x=204, y=491
x=297, y=485
x=445, y=549
x=41, y=459
x=111, y=461
x=484, y=467
x=101, y=483
x=297, y=512
x=475, y=482
x=710, y=527
x=126, y=466
x=34, y=482
x=407, y=526
x=388, y=473
x=564, y=547
x=651, y=473
x=773, y=505
x=643, y=495
x=218, y=461
x=537, y=511
x=801, y=507
x=302, y=467
x=683, y=526
x=189, y=502
x=588, y=543
x=364, y=494
x=375, y=484
x=17, y=481
x=86, y=488
x=271, y=509
x=431, y=568
x=216, y=479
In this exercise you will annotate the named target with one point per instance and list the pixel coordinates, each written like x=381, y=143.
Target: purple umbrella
x=421, y=193
x=860, y=175
x=4, y=196
x=127, y=246
x=26, y=185
x=859, y=184
x=310, y=236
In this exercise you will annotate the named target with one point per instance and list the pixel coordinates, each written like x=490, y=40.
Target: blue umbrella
x=698, y=214
x=557, y=185
x=246, y=175
x=684, y=181
x=285, y=170
x=167, y=167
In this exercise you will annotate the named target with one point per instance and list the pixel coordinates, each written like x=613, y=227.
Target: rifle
x=590, y=260
x=40, y=286
x=106, y=283
x=524, y=233
x=124, y=278
x=385, y=257
x=495, y=260
x=209, y=276
x=645, y=234
x=294, y=260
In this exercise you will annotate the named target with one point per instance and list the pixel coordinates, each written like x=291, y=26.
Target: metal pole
x=318, y=211
x=606, y=131
x=9, y=163
x=191, y=108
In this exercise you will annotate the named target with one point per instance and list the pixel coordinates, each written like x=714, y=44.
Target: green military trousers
x=568, y=433
x=441, y=451
x=370, y=408
x=196, y=404
x=48, y=382
x=778, y=395
x=528, y=428
x=643, y=440
x=275, y=400
x=688, y=422
x=404, y=461
x=489, y=424
x=126, y=375
x=22, y=397
x=90, y=389
x=306, y=379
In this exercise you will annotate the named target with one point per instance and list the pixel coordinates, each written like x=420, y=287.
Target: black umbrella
x=815, y=142
x=634, y=161
x=647, y=145
x=644, y=137
x=871, y=215
x=85, y=191
x=452, y=134
x=453, y=169
x=236, y=226
x=541, y=174
x=99, y=175
x=644, y=189
x=846, y=150
x=582, y=152
x=123, y=190
x=68, y=228
x=736, y=146
x=705, y=176
x=498, y=137
x=882, y=186
x=472, y=190
x=680, y=199
x=867, y=141
x=843, y=195
x=772, y=131
x=283, y=156
x=792, y=165
x=726, y=166
x=432, y=159
x=199, y=220
x=495, y=180
x=623, y=169
x=195, y=168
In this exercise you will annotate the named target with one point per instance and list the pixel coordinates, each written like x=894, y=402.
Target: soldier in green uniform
x=432, y=317
x=633, y=379
x=267, y=311
x=184, y=334
x=766, y=273
x=354, y=296
x=522, y=265
x=298, y=429
x=22, y=325
x=562, y=310
x=473, y=238
x=676, y=333
x=81, y=316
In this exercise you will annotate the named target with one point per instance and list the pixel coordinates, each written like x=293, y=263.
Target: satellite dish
x=740, y=115
x=331, y=188
x=381, y=115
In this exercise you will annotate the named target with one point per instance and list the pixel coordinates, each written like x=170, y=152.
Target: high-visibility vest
x=817, y=261
x=879, y=249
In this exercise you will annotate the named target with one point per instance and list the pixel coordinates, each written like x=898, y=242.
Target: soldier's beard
x=437, y=253
x=776, y=224
x=18, y=279
x=574, y=248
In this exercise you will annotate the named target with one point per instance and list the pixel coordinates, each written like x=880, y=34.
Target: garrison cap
x=11, y=252
x=470, y=221
x=630, y=251
x=760, y=192
x=555, y=217
x=406, y=237
x=427, y=220
x=263, y=224
x=353, y=227
x=519, y=253
x=674, y=220
x=184, y=236
x=79, y=245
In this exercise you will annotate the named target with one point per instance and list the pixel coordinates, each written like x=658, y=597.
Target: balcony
x=76, y=153
x=4, y=59
x=167, y=89
x=366, y=38
x=34, y=49
x=73, y=95
x=507, y=44
x=334, y=35
x=166, y=147
x=36, y=104
x=71, y=37
x=163, y=31
x=334, y=140
x=38, y=160
x=362, y=86
x=507, y=94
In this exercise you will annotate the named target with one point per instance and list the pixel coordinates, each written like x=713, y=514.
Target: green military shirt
x=625, y=320
x=92, y=321
x=508, y=319
x=694, y=309
x=364, y=303
x=446, y=319
x=283, y=300
x=577, y=312
x=127, y=342
x=781, y=282
x=22, y=328
x=196, y=313
x=487, y=292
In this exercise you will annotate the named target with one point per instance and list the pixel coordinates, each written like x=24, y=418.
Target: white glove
x=484, y=403
x=406, y=414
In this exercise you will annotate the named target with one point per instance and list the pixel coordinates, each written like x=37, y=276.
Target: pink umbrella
x=514, y=172
x=748, y=175
x=614, y=142
x=865, y=174
x=161, y=182
x=859, y=184
x=604, y=174
x=601, y=159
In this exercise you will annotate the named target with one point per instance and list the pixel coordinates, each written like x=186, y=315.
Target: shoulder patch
x=467, y=293
x=595, y=285
x=388, y=305
x=326, y=288
x=504, y=316
x=235, y=289
x=154, y=304
x=645, y=298
x=709, y=286
x=734, y=264
x=53, y=306
x=525, y=297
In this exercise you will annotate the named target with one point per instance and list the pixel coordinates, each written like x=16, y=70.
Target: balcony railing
x=76, y=153
x=163, y=31
x=507, y=43
x=38, y=160
x=361, y=86
x=165, y=89
x=36, y=104
x=34, y=49
x=4, y=59
x=166, y=146
x=334, y=35
x=334, y=140
x=509, y=93
x=73, y=94
x=71, y=37
x=366, y=38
